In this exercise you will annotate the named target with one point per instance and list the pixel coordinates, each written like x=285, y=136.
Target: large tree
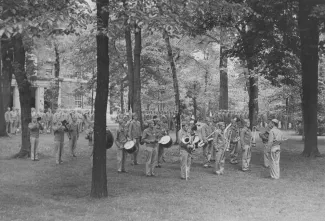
x=99, y=177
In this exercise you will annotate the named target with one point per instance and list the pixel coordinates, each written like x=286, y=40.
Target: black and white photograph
x=162, y=110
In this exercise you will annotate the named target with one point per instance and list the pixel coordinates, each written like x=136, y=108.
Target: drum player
x=121, y=139
x=134, y=133
x=150, y=138
x=162, y=130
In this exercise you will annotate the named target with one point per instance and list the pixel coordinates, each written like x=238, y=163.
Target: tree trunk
x=3, y=131
x=223, y=100
x=128, y=44
x=7, y=71
x=194, y=107
x=309, y=37
x=175, y=82
x=57, y=61
x=99, y=177
x=253, y=96
x=122, y=96
x=137, y=71
x=24, y=95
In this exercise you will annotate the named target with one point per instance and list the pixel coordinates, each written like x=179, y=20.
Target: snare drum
x=129, y=146
x=165, y=141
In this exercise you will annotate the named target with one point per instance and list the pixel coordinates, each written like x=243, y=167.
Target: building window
x=78, y=101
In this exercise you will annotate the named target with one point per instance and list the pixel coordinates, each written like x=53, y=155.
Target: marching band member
x=234, y=138
x=7, y=119
x=13, y=118
x=273, y=149
x=150, y=138
x=121, y=139
x=203, y=134
x=265, y=136
x=58, y=130
x=162, y=131
x=219, y=144
x=185, y=151
x=134, y=133
x=34, y=127
x=245, y=142
x=74, y=135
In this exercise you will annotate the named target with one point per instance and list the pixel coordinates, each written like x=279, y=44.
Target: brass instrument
x=201, y=144
x=65, y=123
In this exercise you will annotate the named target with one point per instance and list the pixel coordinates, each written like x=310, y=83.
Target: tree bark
x=253, y=96
x=57, y=67
x=129, y=57
x=122, y=96
x=223, y=100
x=137, y=72
x=175, y=82
x=3, y=131
x=7, y=70
x=309, y=37
x=24, y=95
x=99, y=177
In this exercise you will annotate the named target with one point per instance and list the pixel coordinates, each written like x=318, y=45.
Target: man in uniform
x=134, y=133
x=219, y=144
x=203, y=134
x=121, y=139
x=73, y=135
x=273, y=149
x=245, y=142
x=234, y=140
x=162, y=129
x=150, y=138
x=185, y=150
x=58, y=130
x=8, y=120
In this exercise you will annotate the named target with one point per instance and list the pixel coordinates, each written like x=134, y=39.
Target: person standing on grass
x=134, y=133
x=219, y=144
x=121, y=139
x=150, y=138
x=265, y=136
x=245, y=142
x=74, y=135
x=185, y=151
x=58, y=130
x=273, y=149
x=49, y=120
x=35, y=127
x=234, y=140
x=13, y=122
x=162, y=131
x=8, y=120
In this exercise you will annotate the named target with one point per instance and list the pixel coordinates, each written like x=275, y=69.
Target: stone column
x=39, y=98
x=16, y=101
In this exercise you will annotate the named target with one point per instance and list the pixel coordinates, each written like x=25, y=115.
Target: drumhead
x=129, y=144
x=164, y=140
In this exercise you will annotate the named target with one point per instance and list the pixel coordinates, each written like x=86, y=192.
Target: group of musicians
x=212, y=136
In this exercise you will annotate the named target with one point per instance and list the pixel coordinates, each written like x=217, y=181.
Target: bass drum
x=129, y=146
x=165, y=142
x=109, y=139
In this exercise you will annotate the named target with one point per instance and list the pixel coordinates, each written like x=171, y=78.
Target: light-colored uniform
x=264, y=136
x=13, y=121
x=219, y=144
x=134, y=133
x=34, y=139
x=234, y=143
x=245, y=141
x=150, y=137
x=203, y=132
x=162, y=130
x=121, y=139
x=58, y=141
x=185, y=155
x=273, y=149
x=8, y=120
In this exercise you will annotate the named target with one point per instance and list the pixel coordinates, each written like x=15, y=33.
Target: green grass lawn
x=45, y=191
